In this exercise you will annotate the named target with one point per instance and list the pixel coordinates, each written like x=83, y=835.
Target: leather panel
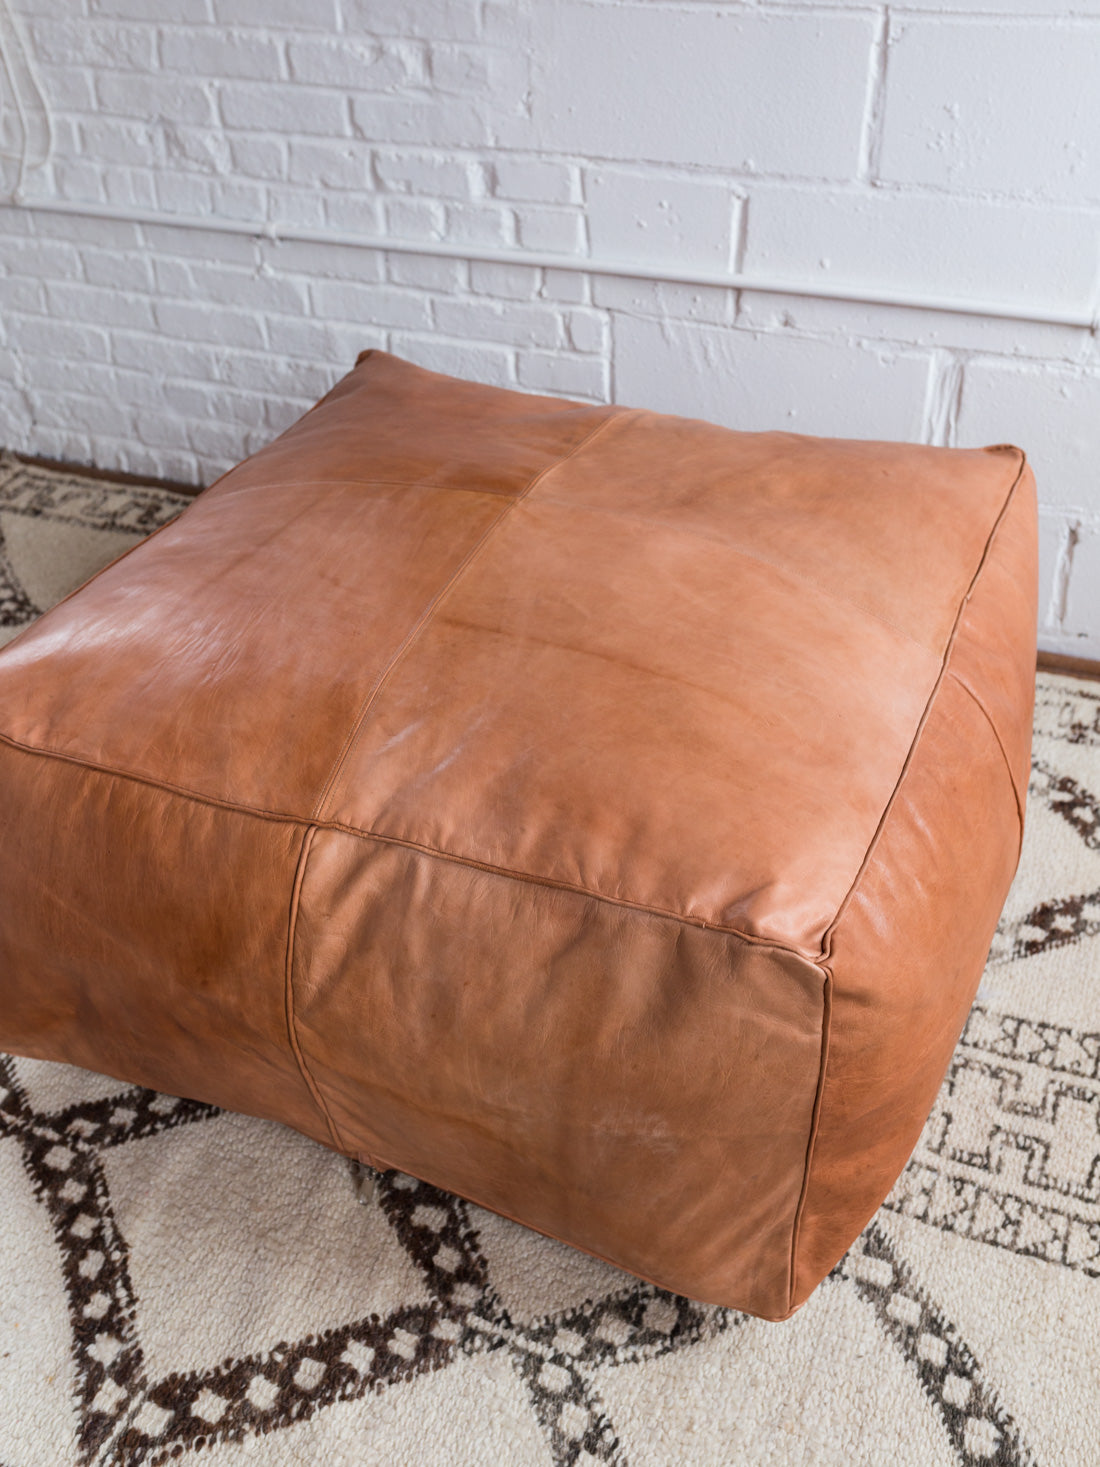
x=634, y=1086
x=144, y=935
x=617, y=719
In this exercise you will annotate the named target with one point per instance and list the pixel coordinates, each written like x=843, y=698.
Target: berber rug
x=179, y=1283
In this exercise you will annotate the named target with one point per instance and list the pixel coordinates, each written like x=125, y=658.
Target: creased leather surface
x=526, y=794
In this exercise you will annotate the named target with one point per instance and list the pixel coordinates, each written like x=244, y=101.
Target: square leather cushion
x=601, y=815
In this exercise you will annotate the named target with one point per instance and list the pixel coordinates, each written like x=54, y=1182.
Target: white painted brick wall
x=945, y=147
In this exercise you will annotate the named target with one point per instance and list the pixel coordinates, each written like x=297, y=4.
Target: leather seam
x=827, y=937
x=426, y=615
x=265, y=484
x=962, y=683
x=815, y=1119
x=288, y=989
x=284, y=817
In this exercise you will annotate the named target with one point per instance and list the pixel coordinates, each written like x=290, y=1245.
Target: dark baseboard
x=116, y=476
x=1068, y=666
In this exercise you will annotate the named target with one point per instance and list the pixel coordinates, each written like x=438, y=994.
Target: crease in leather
x=288, y=990
x=819, y=588
x=961, y=681
x=426, y=615
x=287, y=817
x=827, y=938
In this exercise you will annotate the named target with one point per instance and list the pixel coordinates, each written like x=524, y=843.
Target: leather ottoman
x=603, y=816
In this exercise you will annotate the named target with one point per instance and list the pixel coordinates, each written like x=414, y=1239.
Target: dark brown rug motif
x=178, y=1283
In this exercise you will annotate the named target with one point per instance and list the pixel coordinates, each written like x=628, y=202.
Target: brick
x=477, y=70
x=587, y=330
x=291, y=208
x=259, y=157
x=93, y=306
x=512, y=282
x=183, y=11
x=646, y=218
x=345, y=164
x=324, y=262
x=444, y=122
x=93, y=44
x=203, y=149
x=351, y=62
x=184, y=193
x=535, y=324
x=429, y=272
x=536, y=180
x=373, y=305
x=47, y=259
x=321, y=341
x=131, y=187
x=70, y=411
x=453, y=20
x=564, y=376
x=192, y=321
x=897, y=241
x=572, y=286
x=352, y=211
x=216, y=52
x=57, y=341
x=259, y=108
x=78, y=179
x=145, y=97
x=706, y=303
x=112, y=140
x=1051, y=414
x=159, y=356
x=295, y=15
x=245, y=289
x=440, y=174
x=609, y=80
x=557, y=231
x=200, y=244
x=757, y=382
x=494, y=365
x=480, y=224
x=237, y=199
x=993, y=105
x=415, y=218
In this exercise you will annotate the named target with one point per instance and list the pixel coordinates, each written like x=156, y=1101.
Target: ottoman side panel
x=994, y=652
x=637, y=1086
x=908, y=949
x=143, y=934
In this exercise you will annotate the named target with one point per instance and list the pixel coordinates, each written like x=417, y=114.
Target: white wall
x=943, y=148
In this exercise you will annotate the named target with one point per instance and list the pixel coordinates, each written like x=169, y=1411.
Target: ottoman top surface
x=678, y=667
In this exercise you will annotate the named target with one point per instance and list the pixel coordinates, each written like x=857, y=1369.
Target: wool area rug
x=178, y=1283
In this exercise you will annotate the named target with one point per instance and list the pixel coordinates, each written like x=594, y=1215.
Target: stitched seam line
x=827, y=938
x=288, y=992
x=826, y=1031
x=264, y=484
x=1000, y=744
x=429, y=611
x=286, y=818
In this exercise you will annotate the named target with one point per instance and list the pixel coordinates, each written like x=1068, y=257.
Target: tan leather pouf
x=603, y=816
